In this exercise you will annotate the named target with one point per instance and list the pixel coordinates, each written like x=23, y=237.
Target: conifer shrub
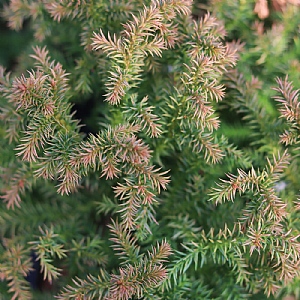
x=149, y=150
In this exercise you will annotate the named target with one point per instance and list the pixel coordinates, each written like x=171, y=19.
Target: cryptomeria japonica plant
x=183, y=184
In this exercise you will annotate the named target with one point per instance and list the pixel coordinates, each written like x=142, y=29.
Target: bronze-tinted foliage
x=119, y=198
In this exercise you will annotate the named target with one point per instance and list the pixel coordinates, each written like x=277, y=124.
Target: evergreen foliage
x=184, y=184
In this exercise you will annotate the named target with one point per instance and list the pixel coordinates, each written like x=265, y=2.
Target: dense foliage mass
x=149, y=150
